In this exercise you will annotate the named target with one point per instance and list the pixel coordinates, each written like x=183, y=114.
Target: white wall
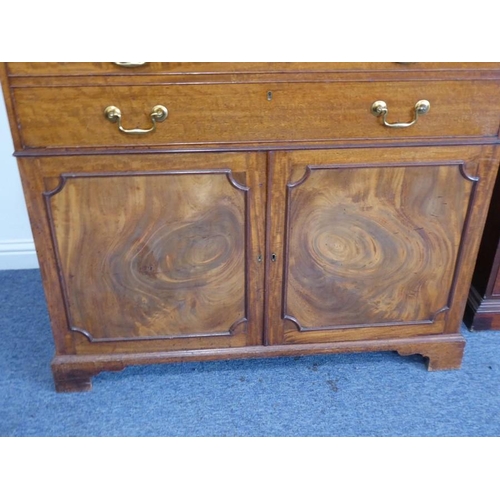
x=17, y=250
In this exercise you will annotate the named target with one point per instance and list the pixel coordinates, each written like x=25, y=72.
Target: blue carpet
x=373, y=394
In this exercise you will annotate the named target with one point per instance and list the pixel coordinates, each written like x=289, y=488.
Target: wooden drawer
x=59, y=117
x=98, y=68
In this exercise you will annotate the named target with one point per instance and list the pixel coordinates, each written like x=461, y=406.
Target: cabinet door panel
x=368, y=249
x=158, y=247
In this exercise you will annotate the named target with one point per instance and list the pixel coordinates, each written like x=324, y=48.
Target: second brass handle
x=379, y=108
x=158, y=114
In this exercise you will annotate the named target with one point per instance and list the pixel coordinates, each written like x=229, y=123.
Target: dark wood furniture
x=483, y=306
x=201, y=211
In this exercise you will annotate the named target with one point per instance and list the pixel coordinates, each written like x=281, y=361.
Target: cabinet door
x=153, y=252
x=373, y=243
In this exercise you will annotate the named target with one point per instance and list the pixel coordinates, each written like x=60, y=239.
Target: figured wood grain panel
x=373, y=249
x=372, y=245
x=158, y=254
x=243, y=113
x=169, y=248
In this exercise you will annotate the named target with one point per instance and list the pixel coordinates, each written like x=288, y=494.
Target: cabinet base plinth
x=439, y=356
x=482, y=313
x=73, y=373
x=67, y=382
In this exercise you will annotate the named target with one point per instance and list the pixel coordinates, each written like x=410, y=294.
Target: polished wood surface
x=89, y=68
x=370, y=244
x=169, y=246
x=209, y=114
x=160, y=250
x=270, y=214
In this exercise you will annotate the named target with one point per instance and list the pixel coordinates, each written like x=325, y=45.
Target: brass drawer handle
x=379, y=108
x=158, y=114
x=130, y=64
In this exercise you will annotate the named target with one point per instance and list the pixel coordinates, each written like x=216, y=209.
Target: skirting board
x=18, y=254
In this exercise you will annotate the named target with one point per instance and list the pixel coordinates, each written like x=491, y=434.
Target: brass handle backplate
x=379, y=108
x=158, y=114
x=130, y=64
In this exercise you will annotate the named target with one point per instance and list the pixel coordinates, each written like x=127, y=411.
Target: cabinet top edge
x=30, y=69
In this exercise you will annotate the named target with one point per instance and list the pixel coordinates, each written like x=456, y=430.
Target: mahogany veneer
x=270, y=214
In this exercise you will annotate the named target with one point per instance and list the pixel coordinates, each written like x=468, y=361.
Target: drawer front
x=246, y=113
x=98, y=68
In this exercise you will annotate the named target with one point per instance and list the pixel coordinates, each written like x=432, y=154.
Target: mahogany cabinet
x=483, y=306
x=201, y=211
